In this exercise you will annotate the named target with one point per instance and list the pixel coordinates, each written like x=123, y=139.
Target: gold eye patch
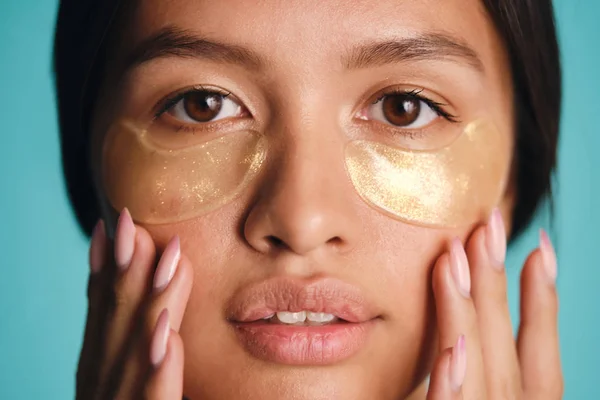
x=166, y=185
x=456, y=185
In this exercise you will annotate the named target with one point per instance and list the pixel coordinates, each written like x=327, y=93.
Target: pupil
x=401, y=110
x=203, y=106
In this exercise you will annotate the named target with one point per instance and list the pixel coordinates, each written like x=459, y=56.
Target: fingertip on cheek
x=439, y=275
x=124, y=240
x=495, y=240
x=459, y=266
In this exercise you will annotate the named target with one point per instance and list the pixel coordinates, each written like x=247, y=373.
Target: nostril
x=336, y=242
x=276, y=242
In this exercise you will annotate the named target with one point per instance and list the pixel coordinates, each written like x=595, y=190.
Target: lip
x=301, y=344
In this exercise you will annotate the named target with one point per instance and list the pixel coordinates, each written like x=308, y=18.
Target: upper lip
x=326, y=295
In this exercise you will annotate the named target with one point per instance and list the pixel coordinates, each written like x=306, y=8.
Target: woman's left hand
x=479, y=357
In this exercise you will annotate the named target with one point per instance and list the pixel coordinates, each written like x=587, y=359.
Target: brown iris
x=401, y=110
x=202, y=106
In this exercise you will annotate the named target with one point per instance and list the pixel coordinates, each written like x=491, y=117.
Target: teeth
x=302, y=316
x=319, y=317
x=291, y=317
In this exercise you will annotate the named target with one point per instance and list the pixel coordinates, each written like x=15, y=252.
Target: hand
x=132, y=348
x=479, y=358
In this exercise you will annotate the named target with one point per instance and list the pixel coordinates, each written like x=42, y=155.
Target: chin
x=238, y=374
x=308, y=383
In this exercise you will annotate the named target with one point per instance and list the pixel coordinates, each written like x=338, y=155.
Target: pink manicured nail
x=548, y=256
x=459, y=266
x=98, y=248
x=496, y=239
x=160, y=338
x=167, y=265
x=124, y=240
x=458, y=364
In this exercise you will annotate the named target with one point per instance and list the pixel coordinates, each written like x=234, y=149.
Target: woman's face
x=276, y=205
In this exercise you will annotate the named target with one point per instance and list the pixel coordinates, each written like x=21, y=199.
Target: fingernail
x=458, y=364
x=459, y=266
x=167, y=265
x=124, y=240
x=98, y=248
x=158, y=346
x=548, y=256
x=496, y=239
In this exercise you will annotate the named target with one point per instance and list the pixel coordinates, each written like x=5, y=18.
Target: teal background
x=44, y=257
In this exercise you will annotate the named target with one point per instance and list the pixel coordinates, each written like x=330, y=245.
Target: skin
x=304, y=219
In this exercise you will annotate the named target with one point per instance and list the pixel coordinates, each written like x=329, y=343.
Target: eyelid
x=161, y=112
x=172, y=99
x=168, y=102
x=416, y=94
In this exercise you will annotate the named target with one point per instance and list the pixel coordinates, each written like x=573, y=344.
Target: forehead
x=317, y=29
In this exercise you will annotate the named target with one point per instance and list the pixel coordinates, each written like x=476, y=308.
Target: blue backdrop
x=44, y=257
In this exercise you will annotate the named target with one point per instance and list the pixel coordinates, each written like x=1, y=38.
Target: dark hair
x=526, y=26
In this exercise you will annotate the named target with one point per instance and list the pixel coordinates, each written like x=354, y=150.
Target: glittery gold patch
x=162, y=185
x=456, y=185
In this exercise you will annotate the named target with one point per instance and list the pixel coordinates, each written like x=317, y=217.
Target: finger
x=166, y=358
x=135, y=257
x=171, y=288
x=97, y=284
x=456, y=314
x=538, y=342
x=448, y=373
x=486, y=252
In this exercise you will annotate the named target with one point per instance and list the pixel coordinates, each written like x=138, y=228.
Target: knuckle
x=120, y=297
x=547, y=389
x=505, y=390
x=119, y=301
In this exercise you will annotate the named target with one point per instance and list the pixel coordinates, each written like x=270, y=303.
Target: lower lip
x=303, y=345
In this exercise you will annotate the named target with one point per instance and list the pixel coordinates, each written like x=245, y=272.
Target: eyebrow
x=172, y=41
x=431, y=46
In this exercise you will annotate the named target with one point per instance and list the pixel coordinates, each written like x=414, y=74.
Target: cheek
x=209, y=242
x=405, y=266
x=400, y=259
x=454, y=186
x=161, y=183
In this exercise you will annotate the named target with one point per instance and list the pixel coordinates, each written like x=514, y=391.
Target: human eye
x=201, y=105
x=406, y=109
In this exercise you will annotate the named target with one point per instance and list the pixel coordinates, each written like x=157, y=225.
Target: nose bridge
x=309, y=169
x=312, y=143
x=302, y=203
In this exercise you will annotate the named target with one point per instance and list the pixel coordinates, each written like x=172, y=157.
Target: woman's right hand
x=132, y=348
x=479, y=356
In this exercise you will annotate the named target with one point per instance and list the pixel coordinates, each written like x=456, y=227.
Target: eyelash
x=168, y=103
x=415, y=94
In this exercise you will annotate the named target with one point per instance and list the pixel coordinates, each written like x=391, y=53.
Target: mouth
x=303, y=318
x=291, y=321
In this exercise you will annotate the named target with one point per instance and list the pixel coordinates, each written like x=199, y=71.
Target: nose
x=303, y=202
